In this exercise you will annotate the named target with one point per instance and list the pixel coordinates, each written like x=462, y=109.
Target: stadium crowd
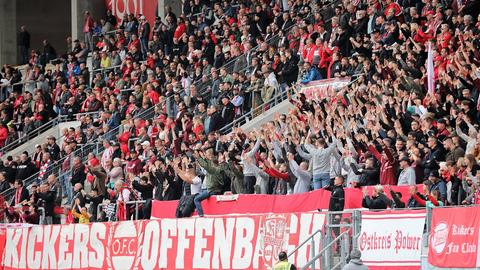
x=384, y=128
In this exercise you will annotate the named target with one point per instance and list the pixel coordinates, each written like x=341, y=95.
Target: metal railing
x=324, y=251
x=95, y=147
x=34, y=133
x=136, y=203
x=256, y=111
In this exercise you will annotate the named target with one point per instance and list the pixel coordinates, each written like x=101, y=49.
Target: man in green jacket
x=213, y=184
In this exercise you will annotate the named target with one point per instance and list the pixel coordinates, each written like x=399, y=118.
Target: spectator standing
x=337, y=203
x=23, y=43
x=407, y=175
x=88, y=24
x=321, y=156
x=47, y=197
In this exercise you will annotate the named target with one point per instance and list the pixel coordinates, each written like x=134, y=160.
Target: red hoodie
x=387, y=170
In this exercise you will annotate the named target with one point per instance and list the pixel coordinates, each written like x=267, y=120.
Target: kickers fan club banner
x=454, y=237
x=228, y=242
x=392, y=239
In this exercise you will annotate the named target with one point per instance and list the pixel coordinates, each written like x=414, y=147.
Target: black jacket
x=78, y=175
x=290, y=71
x=146, y=190
x=368, y=176
x=376, y=202
x=228, y=113
x=337, y=198
x=54, y=151
x=174, y=189
x=25, y=169
x=216, y=122
x=48, y=199
x=4, y=185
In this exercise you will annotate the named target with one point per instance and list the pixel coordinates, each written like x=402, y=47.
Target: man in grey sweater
x=407, y=175
x=320, y=161
x=249, y=175
x=304, y=176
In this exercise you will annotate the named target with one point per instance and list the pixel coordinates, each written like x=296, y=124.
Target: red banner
x=255, y=203
x=148, y=8
x=324, y=88
x=454, y=237
x=228, y=242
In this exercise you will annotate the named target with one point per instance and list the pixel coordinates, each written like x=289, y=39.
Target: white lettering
x=34, y=258
x=97, y=231
x=50, y=236
x=150, y=245
x=243, y=243
x=222, y=242
x=257, y=252
x=293, y=230
x=185, y=228
x=11, y=247
x=202, y=260
x=64, y=257
x=22, y=263
x=304, y=233
x=169, y=228
x=80, y=249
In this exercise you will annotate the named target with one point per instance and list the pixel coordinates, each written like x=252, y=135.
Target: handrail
x=276, y=99
x=312, y=261
x=37, y=131
x=82, y=151
x=103, y=70
x=304, y=242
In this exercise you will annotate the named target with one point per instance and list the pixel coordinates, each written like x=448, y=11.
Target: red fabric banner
x=228, y=242
x=254, y=203
x=121, y=7
x=454, y=237
x=324, y=88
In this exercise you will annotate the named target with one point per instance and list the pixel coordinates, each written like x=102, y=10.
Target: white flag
x=430, y=70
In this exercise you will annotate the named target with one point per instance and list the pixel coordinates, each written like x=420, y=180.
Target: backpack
x=185, y=207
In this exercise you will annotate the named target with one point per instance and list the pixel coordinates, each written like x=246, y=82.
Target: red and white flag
x=430, y=70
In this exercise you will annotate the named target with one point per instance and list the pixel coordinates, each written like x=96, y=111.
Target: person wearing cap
x=53, y=148
x=355, y=262
x=438, y=184
x=283, y=263
x=407, y=175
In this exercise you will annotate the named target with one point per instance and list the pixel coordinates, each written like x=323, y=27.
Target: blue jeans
x=203, y=195
x=67, y=187
x=321, y=180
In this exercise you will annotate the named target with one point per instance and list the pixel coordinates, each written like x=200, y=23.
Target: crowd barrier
x=309, y=201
